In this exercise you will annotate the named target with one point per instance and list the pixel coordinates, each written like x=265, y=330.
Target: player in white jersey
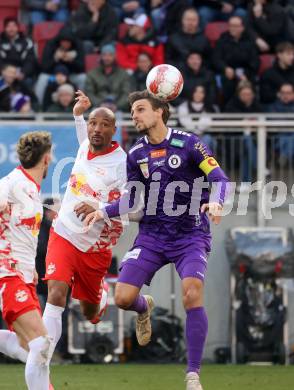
x=20, y=219
x=76, y=257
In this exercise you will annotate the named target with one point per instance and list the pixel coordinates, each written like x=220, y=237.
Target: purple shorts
x=149, y=254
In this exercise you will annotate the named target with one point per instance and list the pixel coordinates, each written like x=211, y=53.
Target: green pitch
x=154, y=377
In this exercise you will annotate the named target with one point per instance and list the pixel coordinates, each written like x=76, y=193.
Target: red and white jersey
x=21, y=213
x=96, y=179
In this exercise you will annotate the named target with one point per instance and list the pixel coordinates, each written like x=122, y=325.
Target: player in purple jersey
x=171, y=164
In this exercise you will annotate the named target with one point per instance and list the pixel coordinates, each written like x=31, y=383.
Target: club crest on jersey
x=21, y=296
x=178, y=143
x=174, y=161
x=145, y=170
x=158, y=153
x=51, y=268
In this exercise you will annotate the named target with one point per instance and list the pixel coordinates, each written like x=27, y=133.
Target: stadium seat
x=214, y=30
x=122, y=30
x=91, y=61
x=43, y=32
x=266, y=61
x=73, y=4
x=9, y=8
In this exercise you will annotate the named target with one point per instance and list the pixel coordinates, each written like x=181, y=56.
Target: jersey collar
x=29, y=177
x=114, y=145
x=169, y=130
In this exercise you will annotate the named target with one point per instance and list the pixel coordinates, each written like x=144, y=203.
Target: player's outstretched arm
x=81, y=106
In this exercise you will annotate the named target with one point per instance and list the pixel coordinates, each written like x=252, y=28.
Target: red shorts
x=17, y=298
x=80, y=270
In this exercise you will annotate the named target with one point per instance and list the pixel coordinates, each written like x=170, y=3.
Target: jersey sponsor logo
x=178, y=143
x=21, y=296
x=208, y=165
x=159, y=163
x=134, y=254
x=51, y=268
x=145, y=170
x=158, y=153
x=182, y=133
x=79, y=186
x=174, y=161
x=143, y=160
x=32, y=223
x=202, y=149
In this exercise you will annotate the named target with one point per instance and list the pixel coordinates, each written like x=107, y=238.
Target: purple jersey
x=169, y=172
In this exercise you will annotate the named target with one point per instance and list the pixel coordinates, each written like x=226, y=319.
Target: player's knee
x=123, y=301
x=57, y=296
x=192, y=297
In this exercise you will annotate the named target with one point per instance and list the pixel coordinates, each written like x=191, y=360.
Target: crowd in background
x=125, y=39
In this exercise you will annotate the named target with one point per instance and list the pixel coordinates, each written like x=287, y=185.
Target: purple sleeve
x=202, y=157
x=127, y=202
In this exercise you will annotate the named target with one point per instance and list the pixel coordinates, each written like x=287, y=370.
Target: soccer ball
x=164, y=82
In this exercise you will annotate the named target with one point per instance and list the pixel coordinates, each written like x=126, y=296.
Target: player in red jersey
x=20, y=219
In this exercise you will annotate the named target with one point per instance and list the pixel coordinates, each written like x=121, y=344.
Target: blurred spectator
x=42, y=10
x=284, y=101
x=281, y=72
x=196, y=73
x=188, y=39
x=108, y=80
x=211, y=10
x=266, y=20
x=64, y=50
x=128, y=8
x=95, y=23
x=166, y=15
x=60, y=77
x=50, y=209
x=64, y=99
x=140, y=38
x=245, y=102
x=197, y=104
x=235, y=57
x=144, y=64
x=15, y=95
x=285, y=141
x=18, y=50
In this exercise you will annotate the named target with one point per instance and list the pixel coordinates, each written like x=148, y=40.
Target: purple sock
x=139, y=305
x=196, y=332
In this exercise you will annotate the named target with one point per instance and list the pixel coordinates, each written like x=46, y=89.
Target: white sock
x=37, y=367
x=52, y=318
x=9, y=345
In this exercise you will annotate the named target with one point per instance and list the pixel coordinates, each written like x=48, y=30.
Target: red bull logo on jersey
x=32, y=223
x=51, y=268
x=79, y=186
x=21, y=296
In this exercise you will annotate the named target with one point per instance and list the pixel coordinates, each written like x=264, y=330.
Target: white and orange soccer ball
x=165, y=82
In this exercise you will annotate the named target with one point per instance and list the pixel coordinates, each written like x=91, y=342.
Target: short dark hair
x=32, y=146
x=284, y=46
x=155, y=102
x=10, y=19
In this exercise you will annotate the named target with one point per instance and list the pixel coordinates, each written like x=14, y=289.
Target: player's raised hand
x=214, y=211
x=82, y=103
x=93, y=217
x=83, y=209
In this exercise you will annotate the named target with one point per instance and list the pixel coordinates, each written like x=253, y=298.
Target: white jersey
x=21, y=213
x=96, y=179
